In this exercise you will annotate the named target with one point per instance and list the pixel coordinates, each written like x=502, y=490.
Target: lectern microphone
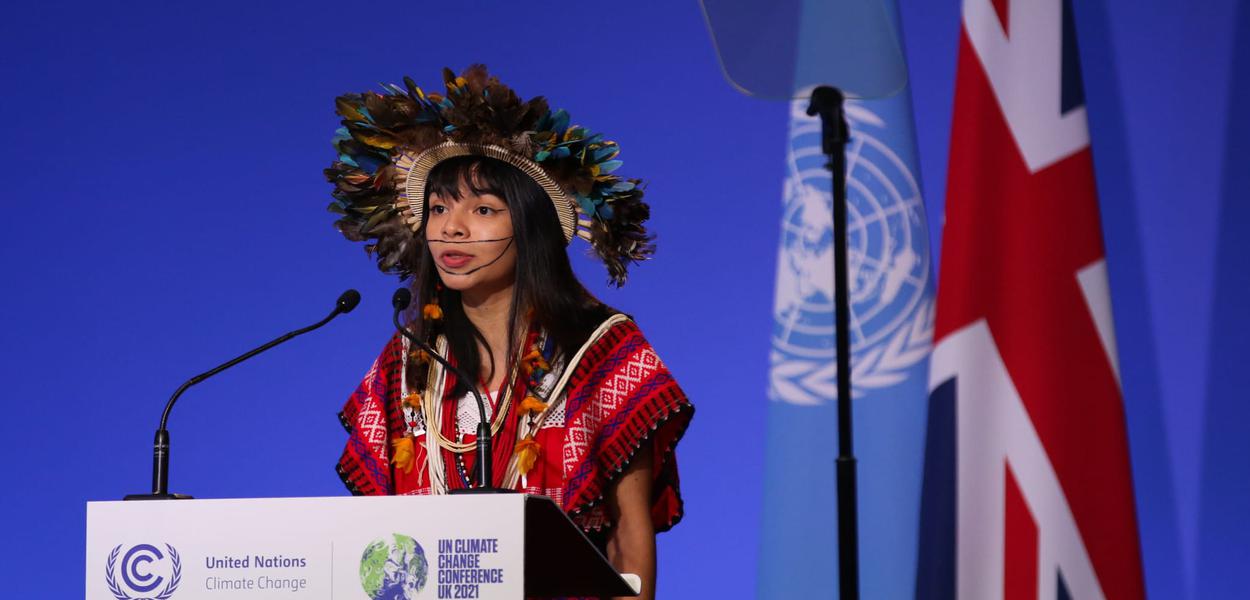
x=160, y=450
x=400, y=300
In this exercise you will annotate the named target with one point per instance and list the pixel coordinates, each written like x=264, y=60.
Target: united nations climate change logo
x=395, y=571
x=144, y=569
x=888, y=265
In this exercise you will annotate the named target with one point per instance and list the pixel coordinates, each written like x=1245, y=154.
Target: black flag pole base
x=827, y=102
x=848, y=530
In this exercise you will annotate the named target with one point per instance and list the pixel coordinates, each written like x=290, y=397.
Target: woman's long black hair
x=545, y=282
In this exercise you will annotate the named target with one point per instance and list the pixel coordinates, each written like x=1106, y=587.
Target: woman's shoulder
x=392, y=354
x=618, y=336
x=615, y=328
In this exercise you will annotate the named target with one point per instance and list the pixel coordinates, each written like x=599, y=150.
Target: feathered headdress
x=389, y=142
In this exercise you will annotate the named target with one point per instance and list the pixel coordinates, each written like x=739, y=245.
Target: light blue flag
x=891, y=295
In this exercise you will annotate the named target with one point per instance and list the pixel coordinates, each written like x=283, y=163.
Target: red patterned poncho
x=619, y=397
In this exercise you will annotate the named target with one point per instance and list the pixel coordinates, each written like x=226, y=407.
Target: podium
x=358, y=548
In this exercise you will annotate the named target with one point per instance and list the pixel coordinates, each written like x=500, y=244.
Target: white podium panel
x=343, y=548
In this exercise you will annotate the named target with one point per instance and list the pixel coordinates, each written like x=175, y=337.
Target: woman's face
x=471, y=242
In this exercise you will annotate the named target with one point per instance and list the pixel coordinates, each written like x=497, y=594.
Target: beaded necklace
x=502, y=408
x=535, y=364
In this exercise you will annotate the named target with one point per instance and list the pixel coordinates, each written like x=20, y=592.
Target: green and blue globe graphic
x=393, y=571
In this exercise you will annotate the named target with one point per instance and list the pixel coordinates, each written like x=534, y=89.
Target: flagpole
x=827, y=102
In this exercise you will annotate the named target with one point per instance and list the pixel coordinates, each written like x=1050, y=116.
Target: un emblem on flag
x=888, y=261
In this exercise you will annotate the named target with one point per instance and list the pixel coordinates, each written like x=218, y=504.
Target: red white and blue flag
x=1027, y=490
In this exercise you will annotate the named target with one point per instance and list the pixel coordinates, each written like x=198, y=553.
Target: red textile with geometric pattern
x=619, y=397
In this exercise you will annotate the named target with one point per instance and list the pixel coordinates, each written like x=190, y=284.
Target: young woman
x=473, y=195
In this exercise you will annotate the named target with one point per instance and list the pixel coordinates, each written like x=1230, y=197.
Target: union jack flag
x=1027, y=490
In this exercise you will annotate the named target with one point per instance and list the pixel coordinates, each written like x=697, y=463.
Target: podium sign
x=345, y=548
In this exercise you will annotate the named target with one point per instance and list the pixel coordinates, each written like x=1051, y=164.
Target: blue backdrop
x=166, y=212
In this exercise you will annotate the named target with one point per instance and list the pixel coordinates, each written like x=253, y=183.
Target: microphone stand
x=485, y=480
x=160, y=450
x=827, y=102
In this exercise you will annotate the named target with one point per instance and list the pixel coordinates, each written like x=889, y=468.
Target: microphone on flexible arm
x=400, y=300
x=160, y=452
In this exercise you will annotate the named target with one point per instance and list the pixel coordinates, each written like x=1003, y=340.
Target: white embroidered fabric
x=467, y=416
x=555, y=417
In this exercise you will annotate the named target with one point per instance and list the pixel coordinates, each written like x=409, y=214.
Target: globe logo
x=394, y=571
x=888, y=265
x=147, y=572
